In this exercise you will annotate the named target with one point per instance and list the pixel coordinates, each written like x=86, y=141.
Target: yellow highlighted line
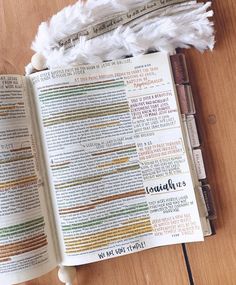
x=114, y=162
x=17, y=182
x=105, y=125
x=106, y=240
x=60, y=165
x=15, y=159
x=108, y=233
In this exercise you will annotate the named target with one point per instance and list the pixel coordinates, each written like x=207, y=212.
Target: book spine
x=188, y=111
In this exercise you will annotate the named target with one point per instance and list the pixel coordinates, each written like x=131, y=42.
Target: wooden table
x=213, y=77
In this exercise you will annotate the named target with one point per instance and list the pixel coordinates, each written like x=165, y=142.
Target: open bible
x=95, y=163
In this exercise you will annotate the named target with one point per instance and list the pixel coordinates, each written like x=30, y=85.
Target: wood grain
x=213, y=78
x=164, y=265
x=19, y=21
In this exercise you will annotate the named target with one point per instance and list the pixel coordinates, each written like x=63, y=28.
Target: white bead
x=29, y=69
x=38, y=61
x=67, y=274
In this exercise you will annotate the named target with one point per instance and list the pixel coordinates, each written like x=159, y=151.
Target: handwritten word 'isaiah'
x=170, y=185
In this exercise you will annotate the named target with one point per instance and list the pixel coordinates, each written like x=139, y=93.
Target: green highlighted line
x=81, y=87
x=53, y=96
x=72, y=118
x=20, y=228
x=45, y=89
x=89, y=109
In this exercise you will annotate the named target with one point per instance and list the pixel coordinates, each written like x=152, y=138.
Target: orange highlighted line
x=23, y=246
x=20, y=244
x=101, y=201
x=5, y=260
x=115, y=150
x=20, y=149
x=96, y=178
x=7, y=107
x=28, y=249
x=122, y=195
x=16, y=182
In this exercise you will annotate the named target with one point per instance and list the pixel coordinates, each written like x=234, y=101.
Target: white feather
x=182, y=25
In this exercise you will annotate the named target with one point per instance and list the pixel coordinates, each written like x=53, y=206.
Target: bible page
x=117, y=162
x=26, y=246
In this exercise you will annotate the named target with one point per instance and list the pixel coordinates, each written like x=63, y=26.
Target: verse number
x=7, y=146
x=175, y=235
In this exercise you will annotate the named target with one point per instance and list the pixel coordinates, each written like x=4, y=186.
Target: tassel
x=182, y=25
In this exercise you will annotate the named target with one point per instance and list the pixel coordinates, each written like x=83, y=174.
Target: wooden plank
x=19, y=21
x=162, y=266
x=214, y=81
x=18, y=24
